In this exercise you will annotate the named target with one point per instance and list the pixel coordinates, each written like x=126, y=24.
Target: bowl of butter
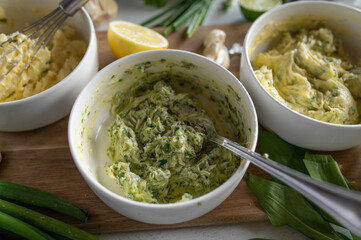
x=301, y=64
x=46, y=90
x=136, y=152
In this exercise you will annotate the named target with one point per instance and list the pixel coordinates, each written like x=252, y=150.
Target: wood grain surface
x=41, y=158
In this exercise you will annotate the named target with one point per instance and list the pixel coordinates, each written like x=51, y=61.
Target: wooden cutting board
x=41, y=159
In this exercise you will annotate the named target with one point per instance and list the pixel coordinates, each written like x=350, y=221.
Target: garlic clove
x=223, y=57
x=215, y=36
x=101, y=10
x=211, y=51
x=215, y=48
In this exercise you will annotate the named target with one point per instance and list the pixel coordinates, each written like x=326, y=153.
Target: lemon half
x=126, y=38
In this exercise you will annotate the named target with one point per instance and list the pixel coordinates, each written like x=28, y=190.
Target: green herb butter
x=155, y=157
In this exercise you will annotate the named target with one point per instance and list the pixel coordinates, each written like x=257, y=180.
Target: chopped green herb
x=163, y=161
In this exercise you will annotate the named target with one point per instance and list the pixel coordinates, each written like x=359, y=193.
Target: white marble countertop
x=135, y=11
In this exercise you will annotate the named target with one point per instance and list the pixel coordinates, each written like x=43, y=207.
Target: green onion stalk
x=179, y=14
x=24, y=222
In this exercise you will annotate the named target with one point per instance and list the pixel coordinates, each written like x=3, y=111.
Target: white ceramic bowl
x=290, y=125
x=91, y=117
x=54, y=103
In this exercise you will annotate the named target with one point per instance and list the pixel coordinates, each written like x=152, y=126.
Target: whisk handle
x=71, y=6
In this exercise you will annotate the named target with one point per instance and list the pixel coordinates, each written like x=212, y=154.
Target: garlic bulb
x=215, y=48
x=101, y=10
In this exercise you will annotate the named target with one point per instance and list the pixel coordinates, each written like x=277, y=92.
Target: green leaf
x=354, y=237
x=282, y=152
x=324, y=168
x=320, y=167
x=351, y=186
x=285, y=206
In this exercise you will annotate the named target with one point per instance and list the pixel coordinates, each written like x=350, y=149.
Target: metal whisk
x=42, y=32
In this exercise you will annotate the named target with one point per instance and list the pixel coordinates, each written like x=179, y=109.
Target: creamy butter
x=49, y=66
x=308, y=72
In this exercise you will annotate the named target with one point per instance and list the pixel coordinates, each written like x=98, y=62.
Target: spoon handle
x=342, y=204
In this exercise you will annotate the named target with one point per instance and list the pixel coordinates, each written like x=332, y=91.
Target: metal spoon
x=342, y=204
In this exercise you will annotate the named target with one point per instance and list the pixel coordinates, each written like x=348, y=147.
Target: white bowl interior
x=91, y=115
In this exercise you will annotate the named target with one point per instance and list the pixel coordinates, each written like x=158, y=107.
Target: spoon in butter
x=343, y=205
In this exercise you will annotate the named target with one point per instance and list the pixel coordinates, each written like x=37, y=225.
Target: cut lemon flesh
x=252, y=9
x=126, y=38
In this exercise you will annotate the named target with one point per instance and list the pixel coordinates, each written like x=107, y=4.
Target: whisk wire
x=49, y=25
x=55, y=26
x=29, y=37
x=38, y=24
x=42, y=31
x=41, y=20
x=32, y=35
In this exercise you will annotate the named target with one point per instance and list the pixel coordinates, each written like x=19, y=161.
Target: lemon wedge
x=126, y=38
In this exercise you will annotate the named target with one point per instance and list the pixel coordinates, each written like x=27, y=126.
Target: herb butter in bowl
x=301, y=66
x=132, y=147
x=47, y=89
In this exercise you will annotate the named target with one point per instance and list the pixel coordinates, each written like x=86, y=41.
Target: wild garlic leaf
x=321, y=167
x=285, y=206
x=281, y=151
x=354, y=237
x=324, y=168
x=351, y=186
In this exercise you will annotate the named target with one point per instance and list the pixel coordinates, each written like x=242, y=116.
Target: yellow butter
x=308, y=72
x=49, y=66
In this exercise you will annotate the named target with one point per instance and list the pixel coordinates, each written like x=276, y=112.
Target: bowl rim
x=247, y=43
x=90, y=179
x=92, y=41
